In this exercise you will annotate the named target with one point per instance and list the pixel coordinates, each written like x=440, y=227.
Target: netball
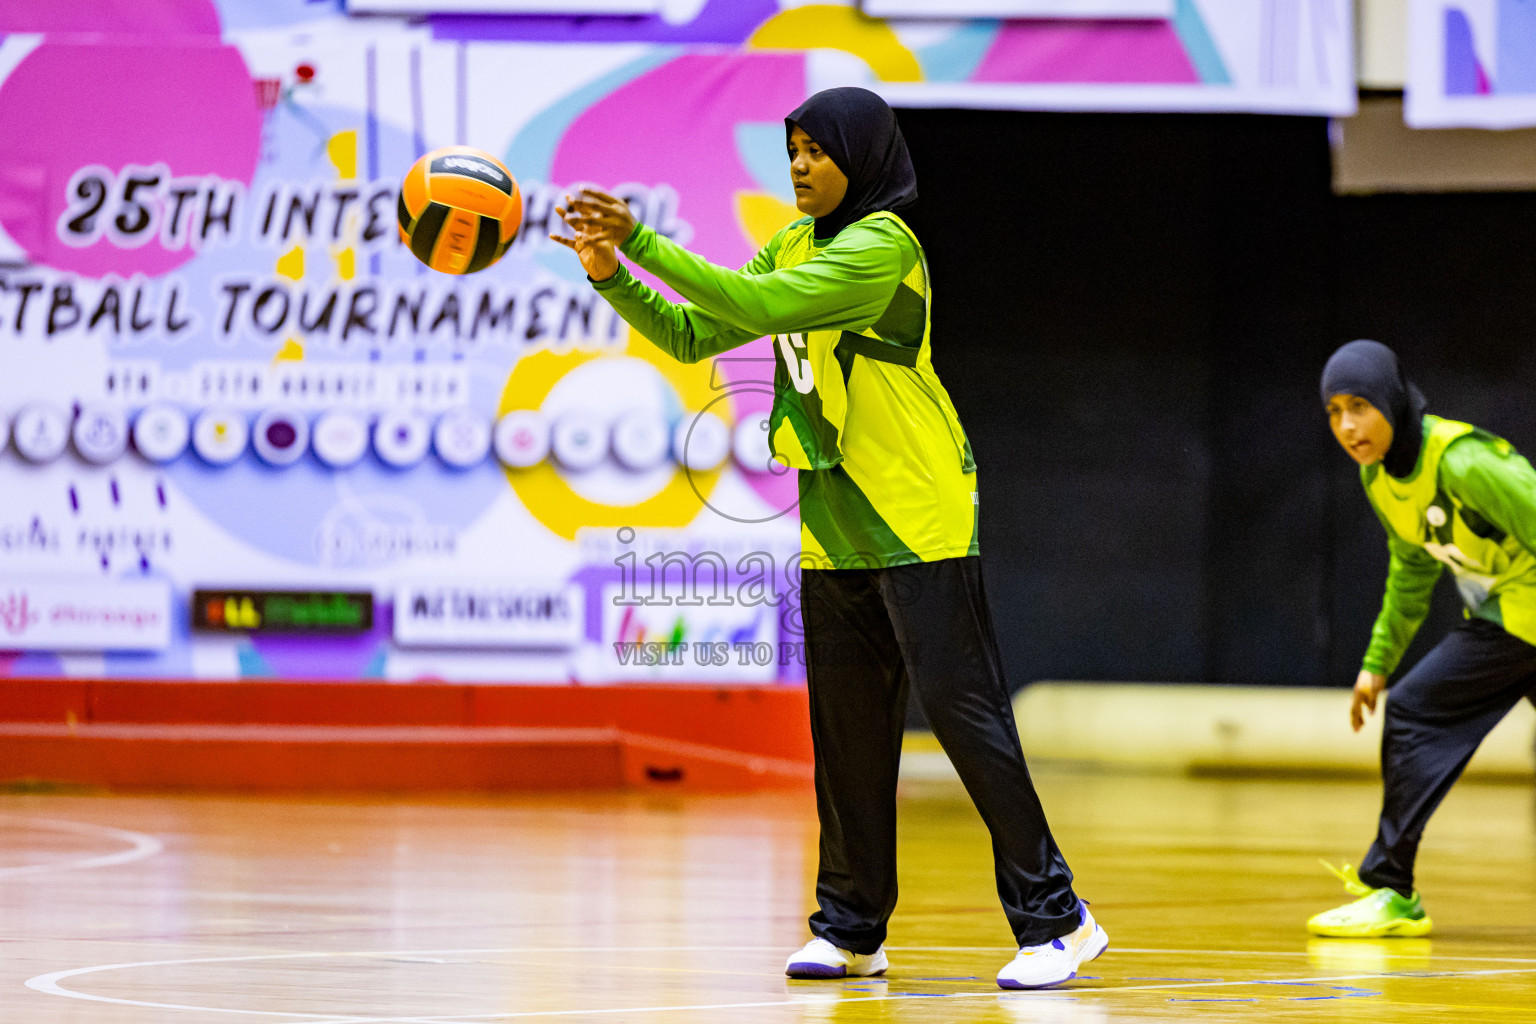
x=459, y=209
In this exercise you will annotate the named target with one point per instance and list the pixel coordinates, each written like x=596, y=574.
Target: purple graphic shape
x=721, y=21
x=321, y=656
x=33, y=664
x=150, y=18
x=281, y=435
x=1087, y=52
x=188, y=105
x=1517, y=47
x=1464, y=74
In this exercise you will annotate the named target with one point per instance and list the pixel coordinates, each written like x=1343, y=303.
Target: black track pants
x=869, y=634
x=1436, y=716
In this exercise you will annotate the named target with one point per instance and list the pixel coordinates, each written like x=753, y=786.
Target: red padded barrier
x=378, y=736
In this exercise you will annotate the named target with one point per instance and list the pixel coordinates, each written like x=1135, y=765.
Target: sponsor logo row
x=137, y=615
x=624, y=641
x=103, y=432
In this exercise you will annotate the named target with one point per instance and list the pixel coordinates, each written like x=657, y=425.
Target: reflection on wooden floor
x=130, y=909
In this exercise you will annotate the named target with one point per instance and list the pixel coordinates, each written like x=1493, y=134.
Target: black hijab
x=1370, y=370
x=860, y=134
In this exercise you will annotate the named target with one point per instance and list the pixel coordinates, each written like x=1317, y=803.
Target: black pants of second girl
x=870, y=635
x=1435, y=718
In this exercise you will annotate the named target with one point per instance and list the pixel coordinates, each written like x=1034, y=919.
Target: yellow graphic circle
x=545, y=493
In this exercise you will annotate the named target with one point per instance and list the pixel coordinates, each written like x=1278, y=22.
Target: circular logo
x=701, y=442
x=641, y=441
x=100, y=433
x=219, y=436
x=41, y=432
x=461, y=438
x=401, y=439
x=522, y=439
x=340, y=438
x=751, y=449
x=281, y=436
x=579, y=441
x=161, y=433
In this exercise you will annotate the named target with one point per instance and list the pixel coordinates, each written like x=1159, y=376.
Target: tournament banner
x=224, y=378
x=221, y=371
x=1471, y=64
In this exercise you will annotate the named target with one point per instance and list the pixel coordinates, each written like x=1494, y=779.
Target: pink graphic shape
x=676, y=125
x=189, y=105
x=157, y=18
x=1087, y=52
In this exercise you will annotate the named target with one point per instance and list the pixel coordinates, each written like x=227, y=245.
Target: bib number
x=790, y=347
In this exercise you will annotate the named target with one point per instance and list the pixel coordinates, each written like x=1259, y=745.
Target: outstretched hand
x=600, y=223
x=1368, y=686
x=600, y=216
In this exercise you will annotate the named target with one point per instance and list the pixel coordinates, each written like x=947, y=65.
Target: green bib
x=1492, y=569
x=812, y=368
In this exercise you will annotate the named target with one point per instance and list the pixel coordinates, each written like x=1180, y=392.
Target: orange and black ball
x=459, y=209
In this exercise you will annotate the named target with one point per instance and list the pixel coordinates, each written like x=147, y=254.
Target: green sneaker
x=1378, y=913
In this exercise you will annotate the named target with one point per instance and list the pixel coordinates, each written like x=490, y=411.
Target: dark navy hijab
x=1370, y=370
x=859, y=132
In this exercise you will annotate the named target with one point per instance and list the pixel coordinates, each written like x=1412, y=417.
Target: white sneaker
x=820, y=959
x=1054, y=962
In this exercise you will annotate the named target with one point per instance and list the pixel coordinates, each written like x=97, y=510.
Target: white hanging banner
x=581, y=7
x=1018, y=8
x=1253, y=56
x=1471, y=64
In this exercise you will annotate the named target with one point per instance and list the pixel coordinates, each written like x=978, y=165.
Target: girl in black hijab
x=1452, y=495
x=1370, y=370
x=891, y=593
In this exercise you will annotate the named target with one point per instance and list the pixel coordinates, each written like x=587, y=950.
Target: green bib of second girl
x=1494, y=573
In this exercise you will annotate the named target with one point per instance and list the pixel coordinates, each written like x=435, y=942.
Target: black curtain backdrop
x=1131, y=313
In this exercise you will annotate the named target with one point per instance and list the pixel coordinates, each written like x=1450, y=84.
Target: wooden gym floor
x=125, y=909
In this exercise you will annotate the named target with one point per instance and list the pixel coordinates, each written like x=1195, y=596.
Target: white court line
x=1198, y=952
x=140, y=846
x=50, y=983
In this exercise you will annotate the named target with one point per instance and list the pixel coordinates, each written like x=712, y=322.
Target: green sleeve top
x=847, y=287
x=886, y=475
x=1481, y=523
